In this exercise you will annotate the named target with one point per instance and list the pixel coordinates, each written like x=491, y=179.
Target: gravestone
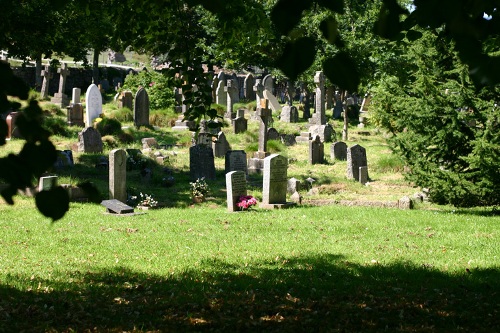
x=221, y=76
x=363, y=174
x=118, y=175
x=220, y=145
x=126, y=100
x=183, y=125
x=12, y=130
x=304, y=137
x=201, y=162
x=306, y=100
x=263, y=115
x=288, y=139
x=329, y=93
x=64, y=159
x=114, y=206
x=289, y=114
x=221, y=95
x=275, y=181
x=89, y=141
x=93, y=104
x=236, y=186
x=141, y=108
x=46, y=183
x=356, y=157
x=76, y=95
x=231, y=90
x=338, y=151
x=60, y=98
x=292, y=185
x=75, y=110
x=236, y=95
x=268, y=83
x=272, y=134
x=47, y=75
x=236, y=160
x=325, y=132
x=274, y=104
x=149, y=143
x=338, y=108
x=214, y=85
x=248, y=84
x=258, y=88
x=104, y=84
x=316, y=151
x=240, y=123
x=203, y=137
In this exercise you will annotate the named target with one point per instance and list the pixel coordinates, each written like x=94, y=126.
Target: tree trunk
x=95, y=67
x=38, y=73
x=346, y=123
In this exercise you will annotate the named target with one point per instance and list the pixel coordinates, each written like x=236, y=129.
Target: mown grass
x=200, y=268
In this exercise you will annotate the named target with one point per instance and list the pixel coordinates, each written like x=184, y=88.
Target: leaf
x=286, y=14
x=329, y=28
x=334, y=5
x=297, y=57
x=341, y=70
x=53, y=203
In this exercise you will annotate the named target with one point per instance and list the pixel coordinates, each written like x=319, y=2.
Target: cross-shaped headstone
x=264, y=115
x=259, y=90
x=63, y=72
x=319, y=80
x=47, y=75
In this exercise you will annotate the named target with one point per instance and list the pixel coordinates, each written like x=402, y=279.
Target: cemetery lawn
x=200, y=268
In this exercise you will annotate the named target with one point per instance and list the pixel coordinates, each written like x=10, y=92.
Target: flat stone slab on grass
x=114, y=206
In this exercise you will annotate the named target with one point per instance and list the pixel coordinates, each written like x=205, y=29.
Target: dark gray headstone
x=141, y=108
x=89, y=141
x=356, y=157
x=201, y=162
x=338, y=151
x=118, y=175
x=272, y=134
x=236, y=160
x=316, y=151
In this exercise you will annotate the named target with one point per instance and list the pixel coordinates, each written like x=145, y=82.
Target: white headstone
x=93, y=104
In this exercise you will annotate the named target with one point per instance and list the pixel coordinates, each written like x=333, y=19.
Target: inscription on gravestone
x=236, y=160
x=236, y=186
x=275, y=180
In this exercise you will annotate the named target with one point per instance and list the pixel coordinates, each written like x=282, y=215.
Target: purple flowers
x=246, y=201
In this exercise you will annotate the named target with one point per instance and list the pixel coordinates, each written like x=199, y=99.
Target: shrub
x=109, y=141
x=55, y=125
x=109, y=126
x=157, y=85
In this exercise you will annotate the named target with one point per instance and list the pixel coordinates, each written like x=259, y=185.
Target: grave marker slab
x=316, y=151
x=118, y=175
x=201, y=162
x=356, y=157
x=275, y=182
x=93, y=104
x=338, y=151
x=114, y=206
x=220, y=145
x=236, y=160
x=89, y=141
x=141, y=108
x=47, y=75
x=236, y=186
x=46, y=183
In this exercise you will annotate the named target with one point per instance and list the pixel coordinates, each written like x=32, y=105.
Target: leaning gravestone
x=93, y=104
x=275, y=182
x=89, y=141
x=316, y=151
x=115, y=206
x=356, y=157
x=201, y=162
x=118, y=175
x=141, y=108
x=236, y=160
x=274, y=104
x=338, y=151
x=236, y=186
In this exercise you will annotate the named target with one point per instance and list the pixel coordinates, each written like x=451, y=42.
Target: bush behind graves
x=158, y=86
x=109, y=126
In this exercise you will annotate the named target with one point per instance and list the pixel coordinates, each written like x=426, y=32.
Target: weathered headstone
x=273, y=134
x=316, y=151
x=75, y=96
x=203, y=137
x=46, y=183
x=118, y=175
x=149, y=143
x=268, y=83
x=274, y=182
x=60, y=98
x=93, y=104
x=274, y=104
x=47, y=75
x=64, y=159
x=236, y=160
x=264, y=116
x=89, y=141
x=214, y=85
x=288, y=139
x=258, y=88
x=183, y=125
x=201, y=162
x=236, y=186
x=75, y=115
x=220, y=145
x=356, y=157
x=289, y=114
x=12, y=130
x=292, y=185
x=240, y=123
x=363, y=174
x=221, y=95
x=126, y=100
x=141, y=108
x=231, y=90
x=248, y=87
x=115, y=206
x=338, y=151
x=319, y=118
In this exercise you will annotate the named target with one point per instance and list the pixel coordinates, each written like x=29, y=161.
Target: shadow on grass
x=309, y=294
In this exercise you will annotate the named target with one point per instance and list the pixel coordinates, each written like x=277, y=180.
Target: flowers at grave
x=147, y=200
x=245, y=202
x=199, y=188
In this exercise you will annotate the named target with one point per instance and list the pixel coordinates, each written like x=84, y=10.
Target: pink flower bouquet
x=246, y=201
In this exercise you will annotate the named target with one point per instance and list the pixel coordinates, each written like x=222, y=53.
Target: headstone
x=64, y=159
x=363, y=174
x=356, y=157
x=126, y=100
x=316, y=151
x=289, y=114
x=338, y=108
x=149, y=143
x=405, y=203
x=47, y=75
x=114, y=206
x=274, y=104
x=292, y=185
x=75, y=115
x=236, y=186
x=46, y=183
x=12, y=130
x=104, y=85
x=272, y=134
x=306, y=100
x=118, y=175
x=330, y=91
x=214, y=85
x=268, y=83
x=240, y=123
x=60, y=98
x=319, y=117
x=248, y=87
x=221, y=76
x=304, y=137
x=221, y=95
x=203, y=137
x=258, y=88
x=274, y=182
x=263, y=114
x=236, y=83
x=325, y=132
x=288, y=139
x=296, y=198
x=231, y=90
x=141, y=108
x=93, y=104
x=201, y=162
x=183, y=125
x=75, y=96
x=220, y=145
x=236, y=160
x=89, y=141
x=338, y=151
